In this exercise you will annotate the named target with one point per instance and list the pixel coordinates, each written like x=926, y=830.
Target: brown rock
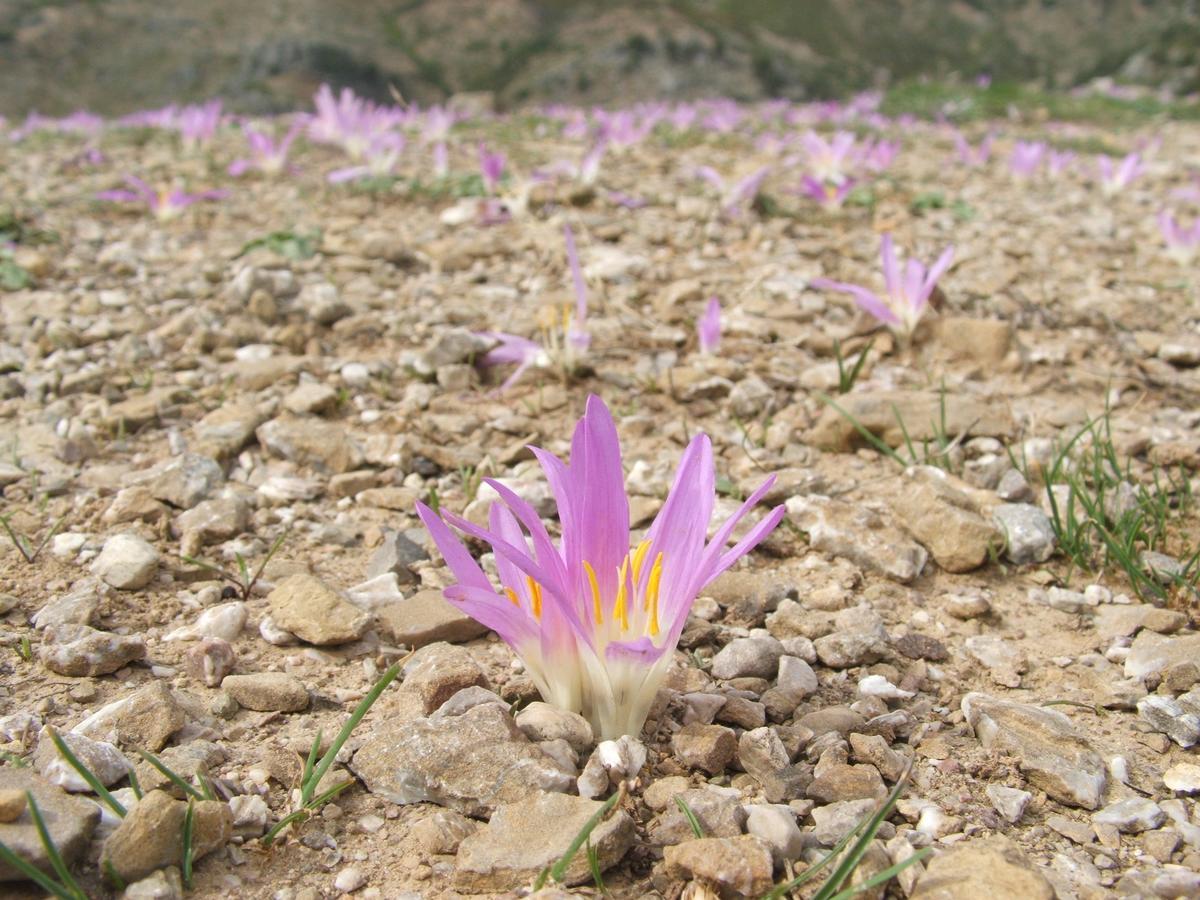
x=737, y=866
x=425, y=618
x=151, y=835
x=267, y=691
x=881, y=413
x=707, y=747
x=991, y=867
x=315, y=613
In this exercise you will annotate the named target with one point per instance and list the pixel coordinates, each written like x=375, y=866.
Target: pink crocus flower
x=736, y=196
x=907, y=289
x=491, y=168
x=577, y=335
x=708, y=327
x=879, y=156
x=973, y=157
x=1183, y=241
x=266, y=154
x=512, y=349
x=829, y=160
x=165, y=203
x=1115, y=177
x=595, y=618
x=381, y=158
x=198, y=123
x=1026, y=158
x=1058, y=162
x=829, y=194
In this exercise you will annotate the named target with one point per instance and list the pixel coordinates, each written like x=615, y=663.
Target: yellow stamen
x=591, y=574
x=512, y=596
x=566, y=318
x=652, y=594
x=619, y=611
x=535, y=596
x=639, y=556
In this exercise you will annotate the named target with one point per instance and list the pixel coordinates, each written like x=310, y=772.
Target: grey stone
x=70, y=821
x=470, y=763
x=398, y=553
x=163, y=884
x=1028, y=534
x=988, y=867
x=525, y=836
x=846, y=649
x=718, y=810
x=127, y=562
x=858, y=534
x=145, y=718
x=756, y=657
x=1132, y=815
x=195, y=758
x=1009, y=802
x=835, y=821
x=1049, y=750
x=437, y=672
x=760, y=751
x=776, y=825
x=184, y=480
x=1153, y=653
x=543, y=722
x=105, y=761
x=611, y=763
x=1169, y=717
x=80, y=650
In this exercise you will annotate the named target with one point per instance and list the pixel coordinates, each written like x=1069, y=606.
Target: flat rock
x=323, y=446
x=754, y=657
x=1049, y=750
x=425, y=618
x=151, y=835
x=543, y=722
x=944, y=520
x=922, y=415
x=991, y=867
x=314, y=612
x=104, y=760
x=1152, y=653
x=80, y=650
x=707, y=747
x=127, y=562
x=1132, y=815
x=437, y=672
x=70, y=821
x=858, y=534
x=267, y=691
x=737, y=866
x=183, y=481
x=471, y=762
x=525, y=836
x=144, y=719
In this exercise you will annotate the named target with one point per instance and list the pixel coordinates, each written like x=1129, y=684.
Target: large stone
x=151, y=835
x=184, y=480
x=425, y=618
x=946, y=522
x=1028, y=534
x=314, y=612
x=1047, y=748
x=1152, y=653
x=707, y=747
x=899, y=416
x=81, y=650
x=753, y=657
x=470, y=763
x=103, y=759
x=524, y=837
x=145, y=719
x=323, y=446
x=737, y=866
x=70, y=821
x=859, y=534
x=223, y=432
x=127, y=562
x=990, y=867
x=437, y=672
x=267, y=691
x=543, y=722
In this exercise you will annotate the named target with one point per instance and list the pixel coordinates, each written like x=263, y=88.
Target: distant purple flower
x=512, y=349
x=1058, y=162
x=829, y=194
x=983, y=81
x=266, y=154
x=879, y=156
x=627, y=201
x=491, y=168
x=906, y=293
x=441, y=159
x=708, y=327
x=198, y=123
x=736, y=196
x=1183, y=242
x=382, y=156
x=829, y=160
x=1026, y=158
x=356, y=125
x=973, y=157
x=1115, y=177
x=165, y=204
x=1189, y=193
x=577, y=336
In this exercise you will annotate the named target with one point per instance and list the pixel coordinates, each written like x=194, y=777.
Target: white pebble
x=350, y=879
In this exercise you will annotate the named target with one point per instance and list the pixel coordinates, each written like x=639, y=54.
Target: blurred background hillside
x=112, y=56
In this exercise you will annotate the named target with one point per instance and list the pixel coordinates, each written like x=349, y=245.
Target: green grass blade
x=593, y=857
x=559, y=870
x=312, y=758
x=692, y=821
x=85, y=773
x=134, y=784
x=188, y=789
x=189, y=848
x=60, y=867
x=32, y=873
x=306, y=789
x=882, y=877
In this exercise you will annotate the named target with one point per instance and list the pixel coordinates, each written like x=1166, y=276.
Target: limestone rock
x=991, y=867
x=738, y=865
x=127, y=562
x=437, y=672
x=267, y=691
x=81, y=650
x=145, y=719
x=315, y=613
x=151, y=835
x=426, y=618
x=70, y=821
x=890, y=414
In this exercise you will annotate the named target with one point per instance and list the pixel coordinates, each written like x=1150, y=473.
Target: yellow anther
x=639, y=556
x=566, y=318
x=619, y=611
x=512, y=596
x=535, y=596
x=596, y=610
x=652, y=594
